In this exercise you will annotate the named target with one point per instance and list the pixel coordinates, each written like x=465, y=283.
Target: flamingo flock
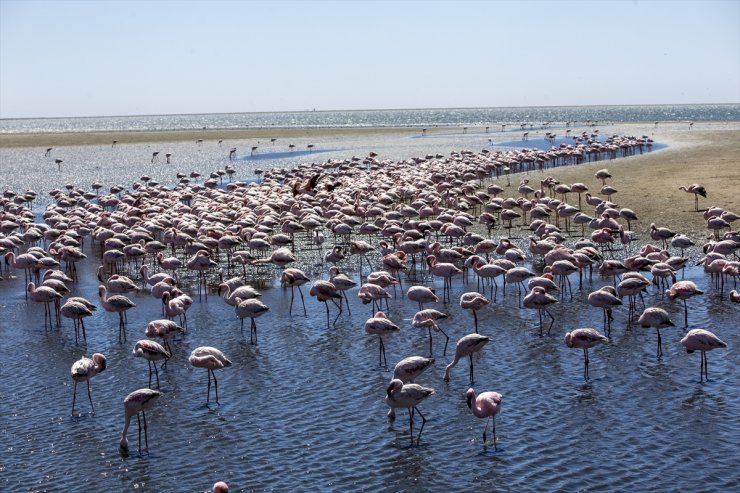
x=434, y=207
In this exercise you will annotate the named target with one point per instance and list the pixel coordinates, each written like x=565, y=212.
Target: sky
x=100, y=58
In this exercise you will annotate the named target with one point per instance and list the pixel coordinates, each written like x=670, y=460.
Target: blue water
x=472, y=117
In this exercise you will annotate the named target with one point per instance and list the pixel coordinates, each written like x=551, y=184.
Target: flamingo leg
x=146, y=435
x=471, y=369
x=430, y=341
x=447, y=341
x=552, y=320
x=423, y=422
x=685, y=314
x=156, y=372
x=138, y=423
x=74, y=396
x=89, y=396
x=585, y=363
x=208, y=395
x=215, y=383
x=660, y=346
x=253, y=332
x=302, y=302
x=475, y=317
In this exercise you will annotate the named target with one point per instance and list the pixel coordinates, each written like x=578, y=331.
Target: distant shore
x=137, y=137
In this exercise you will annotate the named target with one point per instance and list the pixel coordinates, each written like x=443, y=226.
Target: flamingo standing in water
x=485, y=405
x=294, y=278
x=428, y=318
x=422, y=294
x=380, y=325
x=584, y=338
x=702, y=340
x=166, y=329
x=82, y=371
x=77, y=312
x=410, y=395
x=45, y=295
x=152, y=352
x=137, y=402
x=117, y=303
x=211, y=359
x=605, y=298
x=658, y=318
x=251, y=308
x=683, y=290
x=444, y=270
x=325, y=291
x=538, y=299
x=466, y=346
x=473, y=301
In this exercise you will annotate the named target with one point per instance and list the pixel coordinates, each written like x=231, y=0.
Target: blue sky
x=63, y=58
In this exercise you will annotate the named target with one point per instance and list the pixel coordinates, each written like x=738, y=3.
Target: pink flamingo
x=421, y=295
x=137, y=402
x=658, y=318
x=539, y=300
x=473, y=301
x=152, y=352
x=584, y=338
x=734, y=296
x=294, y=278
x=684, y=290
x=466, y=346
x=77, y=312
x=445, y=271
x=251, y=308
x=82, y=371
x=220, y=486
x=428, y=318
x=45, y=295
x=702, y=340
x=485, y=405
x=605, y=298
x=342, y=282
x=410, y=395
x=165, y=329
x=408, y=369
x=211, y=359
x=380, y=325
x=119, y=304
x=373, y=293
x=697, y=190
x=324, y=291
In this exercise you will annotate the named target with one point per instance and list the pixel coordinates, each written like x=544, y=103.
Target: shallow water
x=304, y=410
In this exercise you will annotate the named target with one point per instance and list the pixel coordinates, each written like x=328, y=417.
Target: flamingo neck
x=124, y=433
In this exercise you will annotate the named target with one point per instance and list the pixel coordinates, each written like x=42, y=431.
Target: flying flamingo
x=116, y=303
x=211, y=359
x=152, y=352
x=251, y=308
x=380, y=325
x=137, y=402
x=428, y=318
x=485, y=405
x=539, y=300
x=683, y=290
x=324, y=291
x=697, y=190
x=702, y=340
x=410, y=395
x=294, y=278
x=658, y=318
x=466, y=346
x=473, y=301
x=584, y=338
x=82, y=371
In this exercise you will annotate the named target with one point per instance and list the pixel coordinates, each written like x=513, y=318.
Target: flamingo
x=77, y=312
x=684, y=290
x=137, y=402
x=697, y=190
x=605, y=298
x=444, y=270
x=584, y=338
x=251, y=308
x=45, y=295
x=421, y=295
x=294, y=278
x=702, y=340
x=658, y=318
x=342, y=283
x=324, y=291
x=473, y=301
x=538, y=299
x=211, y=359
x=152, y=352
x=410, y=395
x=734, y=296
x=82, y=371
x=220, y=487
x=428, y=318
x=116, y=303
x=466, y=346
x=485, y=405
x=380, y=325
x=165, y=329
x=408, y=369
